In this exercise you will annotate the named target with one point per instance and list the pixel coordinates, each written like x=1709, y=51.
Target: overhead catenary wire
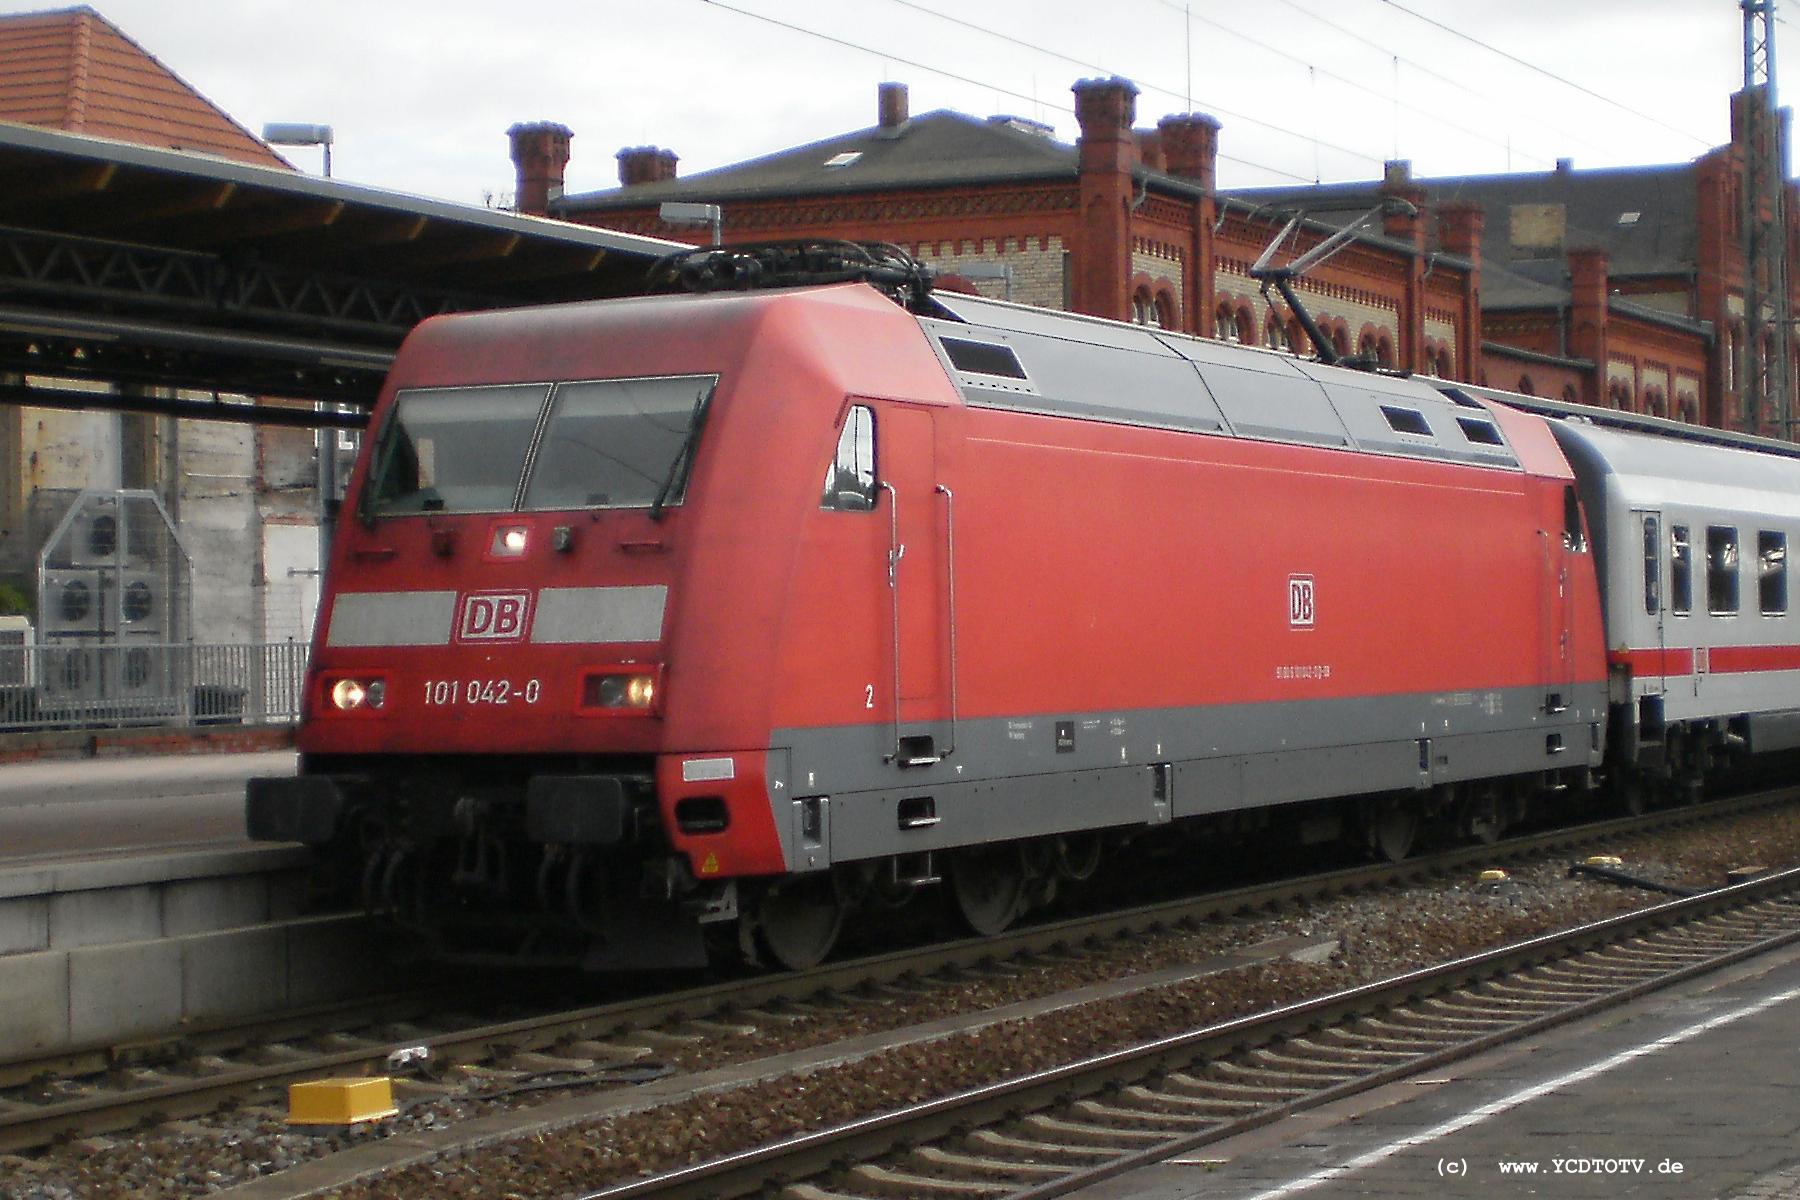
x=1215, y=109
x=1545, y=72
x=947, y=74
x=1427, y=70
x=1344, y=80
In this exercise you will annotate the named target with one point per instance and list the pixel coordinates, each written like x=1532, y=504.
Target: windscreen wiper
x=684, y=457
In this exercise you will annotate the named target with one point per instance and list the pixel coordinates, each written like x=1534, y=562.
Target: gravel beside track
x=1381, y=934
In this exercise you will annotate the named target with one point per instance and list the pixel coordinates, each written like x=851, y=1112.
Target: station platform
x=1691, y=1092
x=132, y=904
x=88, y=808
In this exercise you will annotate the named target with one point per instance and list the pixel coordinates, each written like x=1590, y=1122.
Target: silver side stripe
x=391, y=619
x=580, y=616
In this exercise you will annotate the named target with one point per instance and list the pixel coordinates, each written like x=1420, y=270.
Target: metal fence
x=72, y=685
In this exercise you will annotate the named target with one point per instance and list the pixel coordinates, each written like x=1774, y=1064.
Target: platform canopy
x=154, y=270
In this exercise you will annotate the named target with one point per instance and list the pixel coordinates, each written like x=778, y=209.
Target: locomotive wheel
x=1393, y=828
x=1485, y=820
x=987, y=885
x=798, y=921
x=1078, y=856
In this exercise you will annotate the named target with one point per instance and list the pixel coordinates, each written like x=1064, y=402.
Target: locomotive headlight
x=349, y=695
x=508, y=541
x=620, y=691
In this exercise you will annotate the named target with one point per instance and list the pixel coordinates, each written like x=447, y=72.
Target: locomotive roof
x=1011, y=356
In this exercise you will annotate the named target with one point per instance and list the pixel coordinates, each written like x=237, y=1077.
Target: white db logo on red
x=1300, y=601
x=493, y=617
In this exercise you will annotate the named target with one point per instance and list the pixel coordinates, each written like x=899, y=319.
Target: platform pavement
x=1705, y=1076
x=94, y=807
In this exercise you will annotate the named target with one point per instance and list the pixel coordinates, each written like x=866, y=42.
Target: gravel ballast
x=1381, y=934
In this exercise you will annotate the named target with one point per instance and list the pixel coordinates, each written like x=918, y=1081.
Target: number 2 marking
x=869, y=696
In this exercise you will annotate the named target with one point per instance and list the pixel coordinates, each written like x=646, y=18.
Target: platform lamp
x=289, y=133
x=284, y=133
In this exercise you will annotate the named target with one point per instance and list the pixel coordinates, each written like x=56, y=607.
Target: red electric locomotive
x=653, y=615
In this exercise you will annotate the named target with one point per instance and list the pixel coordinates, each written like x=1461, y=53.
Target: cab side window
x=850, y=479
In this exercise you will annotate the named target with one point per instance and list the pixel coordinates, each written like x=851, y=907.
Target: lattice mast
x=1766, y=353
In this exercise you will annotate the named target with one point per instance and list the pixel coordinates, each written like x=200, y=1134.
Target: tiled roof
x=72, y=69
x=940, y=148
x=1643, y=217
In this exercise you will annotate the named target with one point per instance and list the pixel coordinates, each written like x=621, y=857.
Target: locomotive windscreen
x=618, y=443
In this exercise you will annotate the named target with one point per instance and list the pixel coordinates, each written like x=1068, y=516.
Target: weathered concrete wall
x=216, y=512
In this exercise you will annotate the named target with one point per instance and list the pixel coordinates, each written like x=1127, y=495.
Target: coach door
x=1557, y=648
x=1652, y=592
x=921, y=518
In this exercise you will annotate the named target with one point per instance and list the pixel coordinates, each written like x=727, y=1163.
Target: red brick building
x=1127, y=223
x=1620, y=287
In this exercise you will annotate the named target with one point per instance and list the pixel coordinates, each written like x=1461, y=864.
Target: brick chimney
x=1150, y=151
x=1459, y=224
x=1190, y=146
x=646, y=164
x=540, y=152
x=891, y=105
x=1101, y=283
x=1459, y=228
x=1588, y=286
x=1397, y=184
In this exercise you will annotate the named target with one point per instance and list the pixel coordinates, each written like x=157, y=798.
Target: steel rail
x=25, y=1126
x=823, y=1150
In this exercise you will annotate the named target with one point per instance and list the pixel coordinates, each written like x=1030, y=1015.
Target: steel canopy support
x=37, y=396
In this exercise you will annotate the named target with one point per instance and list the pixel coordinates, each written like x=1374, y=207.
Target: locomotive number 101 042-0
x=443, y=693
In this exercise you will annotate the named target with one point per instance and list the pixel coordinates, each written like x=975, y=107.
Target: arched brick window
x=1168, y=312
x=1446, y=368
x=1365, y=343
x=1274, y=336
x=1655, y=403
x=1340, y=339
x=1246, y=324
x=1225, y=323
x=1570, y=395
x=1618, y=395
x=1143, y=307
x=1524, y=387
x=1384, y=351
x=1298, y=343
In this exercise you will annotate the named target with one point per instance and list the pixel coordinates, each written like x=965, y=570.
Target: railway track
x=1053, y=1132
x=113, y=1088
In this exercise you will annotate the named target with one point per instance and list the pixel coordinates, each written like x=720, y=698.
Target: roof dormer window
x=842, y=160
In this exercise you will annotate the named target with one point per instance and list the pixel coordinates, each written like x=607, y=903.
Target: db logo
x=1300, y=601
x=493, y=617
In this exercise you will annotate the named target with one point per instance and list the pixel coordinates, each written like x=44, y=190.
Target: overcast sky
x=420, y=92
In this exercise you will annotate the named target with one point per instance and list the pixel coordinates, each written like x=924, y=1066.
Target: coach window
x=1652, y=566
x=1681, y=572
x=1721, y=570
x=850, y=480
x=1771, y=572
